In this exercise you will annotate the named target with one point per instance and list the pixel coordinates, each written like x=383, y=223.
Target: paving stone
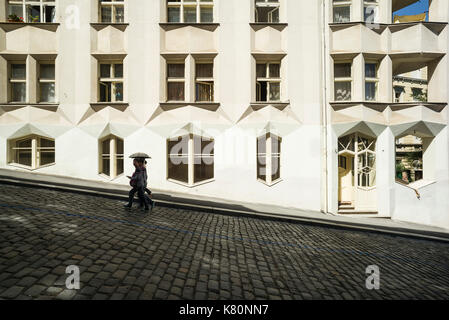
x=12, y=292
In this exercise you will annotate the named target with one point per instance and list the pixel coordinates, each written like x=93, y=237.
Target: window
x=190, y=159
x=190, y=11
x=175, y=81
x=268, y=82
x=18, y=82
x=111, y=151
x=111, y=82
x=342, y=11
x=47, y=83
x=31, y=10
x=112, y=11
x=398, y=94
x=204, y=82
x=366, y=159
x=342, y=81
x=371, y=81
x=409, y=159
x=267, y=11
x=418, y=94
x=33, y=152
x=268, y=158
x=370, y=10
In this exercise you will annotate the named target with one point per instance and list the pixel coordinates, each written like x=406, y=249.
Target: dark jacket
x=139, y=178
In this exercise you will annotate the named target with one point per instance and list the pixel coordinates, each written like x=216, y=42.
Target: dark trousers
x=140, y=194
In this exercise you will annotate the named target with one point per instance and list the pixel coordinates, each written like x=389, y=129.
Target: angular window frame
x=341, y=4
x=28, y=18
x=265, y=159
x=116, y=158
x=275, y=5
x=181, y=6
x=35, y=150
x=185, y=150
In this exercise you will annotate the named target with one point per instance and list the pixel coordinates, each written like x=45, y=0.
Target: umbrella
x=140, y=155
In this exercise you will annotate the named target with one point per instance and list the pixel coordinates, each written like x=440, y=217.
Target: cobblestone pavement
x=180, y=254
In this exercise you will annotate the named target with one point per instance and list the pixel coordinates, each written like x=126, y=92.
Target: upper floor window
x=33, y=152
x=371, y=81
x=112, y=11
x=111, y=82
x=111, y=156
x=268, y=81
x=31, y=10
x=342, y=10
x=409, y=158
x=47, y=82
x=175, y=81
x=190, y=159
x=268, y=158
x=190, y=11
x=18, y=82
x=342, y=81
x=370, y=10
x=204, y=82
x=267, y=11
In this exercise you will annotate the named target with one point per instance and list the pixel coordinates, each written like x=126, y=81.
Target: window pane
x=190, y=14
x=203, y=169
x=119, y=14
x=261, y=90
x=178, y=146
x=204, y=91
x=46, y=157
x=203, y=146
x=370, y=70
x=342, y=70
x=18, y=92
x=106, y=166
x=120, y=168
x=50, y=12
x=178, y=168
x=262, y=144
x=120, y=147
x=261, y=70
x=275, y=168
x=33, y=13
x=275, y=91
x=47, y=71
x=119, y=91
x=175, y=91
x=118, y=73
x=24, y=143
x=262, y=167
x=23, y=157
x=18, y=71
x=174, y=14
x=105, y=92
x=175, y=70
x=207, y=14
x=106, y=14
x=342, y=14
x=47, y=92
x=204, y=70
x=15, y=11
x=342, y=91
x=370, y=91
x=275, y=144
x=275, y=70
x=105, y=70
x=46, y=143
x=105, y=146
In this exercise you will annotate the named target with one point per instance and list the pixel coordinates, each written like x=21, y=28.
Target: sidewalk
x=212, y=205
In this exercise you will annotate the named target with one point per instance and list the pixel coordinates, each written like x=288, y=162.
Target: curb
x=217, y=208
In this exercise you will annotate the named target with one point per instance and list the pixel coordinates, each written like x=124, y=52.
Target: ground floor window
x=33, y=152
x=409, y=159
x=190, y=159
x=268, y=158
x=111, y=156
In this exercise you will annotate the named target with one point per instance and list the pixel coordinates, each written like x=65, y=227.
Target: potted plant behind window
x=14, y=18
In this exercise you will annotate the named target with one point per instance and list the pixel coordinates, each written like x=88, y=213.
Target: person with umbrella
x=138, y=181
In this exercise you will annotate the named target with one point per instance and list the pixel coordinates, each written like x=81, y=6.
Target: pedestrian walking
x=148, y=191
x=138, y=184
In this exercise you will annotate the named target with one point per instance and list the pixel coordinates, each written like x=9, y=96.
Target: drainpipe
x=324, y=147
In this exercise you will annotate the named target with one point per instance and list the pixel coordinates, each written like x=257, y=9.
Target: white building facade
x=285, y=102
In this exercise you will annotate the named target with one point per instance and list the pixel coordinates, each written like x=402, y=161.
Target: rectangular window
x=111, y=82
x=47, y=83
x=371, y=81
x=370, y=11
x=268, y=82
x=31, y=11
x=112, y=11
x=175, y=81
x=267, y=11
x=204, y=82
x=18, y=82
x=203, y=159
x=342, y=11
x=190, y=11
x=112, y=159
x=178, y=159
x=342, y=81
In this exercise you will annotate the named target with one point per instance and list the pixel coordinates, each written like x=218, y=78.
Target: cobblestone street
x=180, y=254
